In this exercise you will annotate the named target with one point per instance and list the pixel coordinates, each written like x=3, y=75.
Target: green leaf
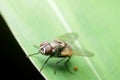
x=96, y=22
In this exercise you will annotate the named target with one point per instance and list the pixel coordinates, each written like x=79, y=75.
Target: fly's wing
x=69, y=38
x=81, y=52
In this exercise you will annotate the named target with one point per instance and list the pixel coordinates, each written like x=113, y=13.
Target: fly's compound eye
x=46, y=48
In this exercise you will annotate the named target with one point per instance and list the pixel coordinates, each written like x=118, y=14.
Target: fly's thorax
x=46, y=48
x=58, y=43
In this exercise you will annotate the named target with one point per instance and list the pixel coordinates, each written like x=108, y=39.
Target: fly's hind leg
x=66, y=64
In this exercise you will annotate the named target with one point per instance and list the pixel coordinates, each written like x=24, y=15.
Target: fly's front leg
x=66, y=64
x=32, y=54
x=45, y=63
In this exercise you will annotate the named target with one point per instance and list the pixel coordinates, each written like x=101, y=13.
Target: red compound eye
x=46, y=48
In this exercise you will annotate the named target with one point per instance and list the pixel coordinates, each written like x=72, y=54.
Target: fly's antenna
x=36, y=46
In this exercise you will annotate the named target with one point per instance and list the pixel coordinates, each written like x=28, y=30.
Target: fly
x=62, y=47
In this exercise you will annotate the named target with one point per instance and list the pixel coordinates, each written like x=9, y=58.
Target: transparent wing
x=69, y=38
x=81, y=52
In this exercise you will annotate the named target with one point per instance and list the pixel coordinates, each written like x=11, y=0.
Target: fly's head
x=46, y=48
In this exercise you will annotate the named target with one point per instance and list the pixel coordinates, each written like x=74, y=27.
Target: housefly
x=62, y=47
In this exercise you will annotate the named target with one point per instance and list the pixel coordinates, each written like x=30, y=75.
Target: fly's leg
x=56, y=65
x=66, y=64
x=31, y=54
x=45, y=63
